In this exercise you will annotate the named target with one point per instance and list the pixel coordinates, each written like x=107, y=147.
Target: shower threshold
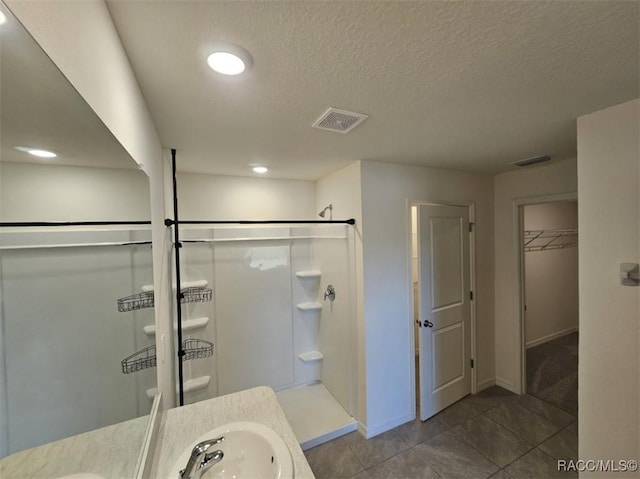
x=315, y=415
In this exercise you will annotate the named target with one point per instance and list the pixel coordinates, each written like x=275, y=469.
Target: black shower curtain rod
x=170, y=222
x=26, y=224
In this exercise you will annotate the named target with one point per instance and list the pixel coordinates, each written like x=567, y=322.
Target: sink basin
x=251, y=451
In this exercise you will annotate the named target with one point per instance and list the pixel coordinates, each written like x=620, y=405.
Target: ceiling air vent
x=532, y=161
x=341, y=121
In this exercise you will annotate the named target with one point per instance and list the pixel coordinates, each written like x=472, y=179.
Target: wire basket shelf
x=195, y=295
x=196, y=349
x=147, y=300
x=136, y=301
x=143, y=359
x=146, y=358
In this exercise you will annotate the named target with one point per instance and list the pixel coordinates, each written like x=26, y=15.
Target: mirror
x=62, y=336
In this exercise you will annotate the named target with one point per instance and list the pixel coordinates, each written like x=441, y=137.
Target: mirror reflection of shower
x=323, y=213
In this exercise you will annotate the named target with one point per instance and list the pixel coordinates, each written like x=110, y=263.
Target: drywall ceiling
x=40, y=109
x=466, y=85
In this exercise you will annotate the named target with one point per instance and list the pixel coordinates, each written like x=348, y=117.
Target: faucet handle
x=200, y=458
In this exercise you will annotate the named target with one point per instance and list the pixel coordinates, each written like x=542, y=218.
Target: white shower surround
x=258, y=329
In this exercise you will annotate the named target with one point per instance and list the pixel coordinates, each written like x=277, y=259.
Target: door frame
x=470, y=205
x=518, y=236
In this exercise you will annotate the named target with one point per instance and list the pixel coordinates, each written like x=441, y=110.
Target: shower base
x=315, y=415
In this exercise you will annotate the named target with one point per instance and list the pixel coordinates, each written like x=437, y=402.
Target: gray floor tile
x=537, y=465
x=457, y=413
x=488, y=398
x=563, y=445
x=573, y=427
x=551, y=413
x=375, y=450
x=409, y=464
x=454, y=459
x=333, y=460
x=492, y=440
x=522, y=421
x=417, y=431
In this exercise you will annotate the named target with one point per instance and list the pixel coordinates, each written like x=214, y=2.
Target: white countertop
x=111, y=452
x=181, y=426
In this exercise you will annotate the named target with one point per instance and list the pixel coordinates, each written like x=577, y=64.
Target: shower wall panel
x=336, y=338
x=253, y=315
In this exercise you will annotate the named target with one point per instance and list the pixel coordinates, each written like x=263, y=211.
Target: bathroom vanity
x=112, y=452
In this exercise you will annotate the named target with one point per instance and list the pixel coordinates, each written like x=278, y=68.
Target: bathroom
x=367, y=367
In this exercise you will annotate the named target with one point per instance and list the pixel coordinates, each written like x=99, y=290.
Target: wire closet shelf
x=543, y=240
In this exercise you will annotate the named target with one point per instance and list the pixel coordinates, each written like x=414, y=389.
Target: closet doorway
x=549, y=260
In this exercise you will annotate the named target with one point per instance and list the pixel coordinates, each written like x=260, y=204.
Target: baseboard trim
x=487, y=383
x=371, y=432
x=508, y=385
x=550, y=337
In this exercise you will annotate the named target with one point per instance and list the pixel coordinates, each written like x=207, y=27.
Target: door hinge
x=471, y=227
x=471, y=295
x=472, y=364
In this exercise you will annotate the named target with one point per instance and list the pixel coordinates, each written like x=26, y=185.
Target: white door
x=444, y=307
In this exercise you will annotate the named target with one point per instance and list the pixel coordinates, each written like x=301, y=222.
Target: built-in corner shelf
x=187, y=325
x=191, y=385
x=309, y=274
x=311, y=306
x=310, y=356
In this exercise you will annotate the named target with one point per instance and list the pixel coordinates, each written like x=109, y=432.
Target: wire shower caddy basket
x=147, y=358
x=146, y=299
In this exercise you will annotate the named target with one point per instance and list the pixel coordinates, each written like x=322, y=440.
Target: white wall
x=217, y=197
x=609, y=215
x=343, y=189
x=387, y=190
x=551, y=276
x=82, y=41
x=37, y=192
x=555, y=178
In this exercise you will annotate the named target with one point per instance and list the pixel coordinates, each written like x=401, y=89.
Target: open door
x=444, y=307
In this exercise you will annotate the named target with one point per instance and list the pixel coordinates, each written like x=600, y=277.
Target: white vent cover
x=341, y=121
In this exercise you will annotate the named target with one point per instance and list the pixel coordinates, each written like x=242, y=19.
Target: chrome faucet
x=200, y=460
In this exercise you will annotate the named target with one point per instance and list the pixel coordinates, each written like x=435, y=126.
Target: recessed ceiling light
x=42, y=153
x=226, y=63
x=227, y=58
x=37, y=152
x=3, y=18
x=260, y=169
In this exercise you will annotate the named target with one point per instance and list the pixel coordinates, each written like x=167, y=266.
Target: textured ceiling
x=467, y=85
x=41, y=109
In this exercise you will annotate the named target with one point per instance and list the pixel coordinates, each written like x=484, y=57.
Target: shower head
x=324, y=211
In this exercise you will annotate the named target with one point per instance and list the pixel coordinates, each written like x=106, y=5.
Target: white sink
x=251, y=451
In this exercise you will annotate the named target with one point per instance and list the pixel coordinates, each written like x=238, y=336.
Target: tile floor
x=493, y=434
